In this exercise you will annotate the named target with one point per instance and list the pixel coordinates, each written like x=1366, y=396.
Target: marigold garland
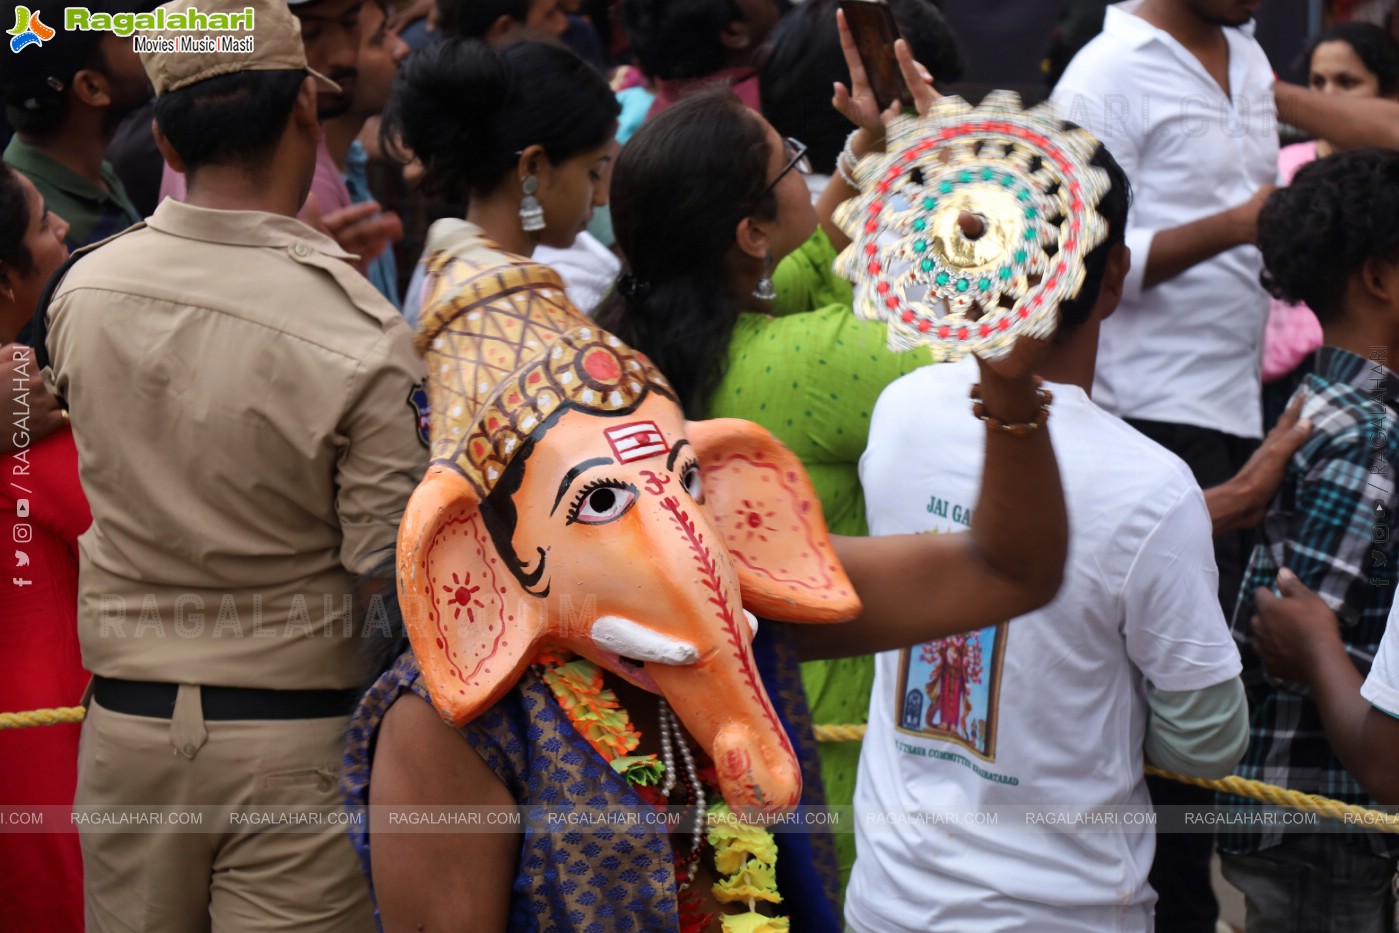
x=746, y=854
x=594, y=710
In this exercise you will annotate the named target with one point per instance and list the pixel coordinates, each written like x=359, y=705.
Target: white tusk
x=752, y=622
x=633, y=640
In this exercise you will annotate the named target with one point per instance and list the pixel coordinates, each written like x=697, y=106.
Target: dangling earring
x=531, y=214
x=765, y=290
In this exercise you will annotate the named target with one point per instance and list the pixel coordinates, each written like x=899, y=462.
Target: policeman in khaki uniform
x=246, y=409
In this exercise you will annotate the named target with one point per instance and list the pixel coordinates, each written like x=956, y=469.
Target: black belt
x=147, y=698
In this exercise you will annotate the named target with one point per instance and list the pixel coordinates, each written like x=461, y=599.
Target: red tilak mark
x=636, y=440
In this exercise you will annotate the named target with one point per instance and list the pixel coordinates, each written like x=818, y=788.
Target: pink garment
x=744, y=82
x=1293, y=330
x=328, y=185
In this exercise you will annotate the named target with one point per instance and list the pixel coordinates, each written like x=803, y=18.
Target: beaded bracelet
x=1014, y=428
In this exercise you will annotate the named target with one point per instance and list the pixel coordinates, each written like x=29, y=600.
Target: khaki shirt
x=245, y=407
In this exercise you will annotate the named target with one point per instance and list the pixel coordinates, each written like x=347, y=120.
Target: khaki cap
x=276, y=43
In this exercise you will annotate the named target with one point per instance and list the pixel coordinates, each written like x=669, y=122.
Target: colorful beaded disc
x=973, y=226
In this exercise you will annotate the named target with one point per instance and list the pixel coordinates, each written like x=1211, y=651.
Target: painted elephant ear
x=766, y=509
x=473, y=627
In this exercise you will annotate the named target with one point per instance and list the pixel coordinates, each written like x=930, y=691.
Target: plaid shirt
x=1330, y=524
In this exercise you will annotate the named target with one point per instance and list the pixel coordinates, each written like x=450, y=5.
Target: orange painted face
x=636, y=541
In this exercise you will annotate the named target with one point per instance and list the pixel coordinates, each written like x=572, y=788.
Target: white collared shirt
x=1189, y=350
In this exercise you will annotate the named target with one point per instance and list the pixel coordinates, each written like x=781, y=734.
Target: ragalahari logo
x=29, y=29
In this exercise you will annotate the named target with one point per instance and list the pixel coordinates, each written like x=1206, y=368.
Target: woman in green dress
x=696, y=205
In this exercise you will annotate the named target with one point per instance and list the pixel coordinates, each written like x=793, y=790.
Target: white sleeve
x=1173, y=626
x=1112, y=116
x=1381, y=687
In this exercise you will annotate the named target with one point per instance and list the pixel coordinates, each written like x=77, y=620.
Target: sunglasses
x=796, y=154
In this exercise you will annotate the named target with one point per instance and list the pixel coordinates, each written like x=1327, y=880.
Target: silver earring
x=531, y=214
x=765, y=290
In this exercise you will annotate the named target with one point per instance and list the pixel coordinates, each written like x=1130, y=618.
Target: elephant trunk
x=727, y=711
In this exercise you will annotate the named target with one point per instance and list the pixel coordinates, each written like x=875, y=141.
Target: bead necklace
x=671, y=736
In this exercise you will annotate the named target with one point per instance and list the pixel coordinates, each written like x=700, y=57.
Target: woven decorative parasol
x=972, y=227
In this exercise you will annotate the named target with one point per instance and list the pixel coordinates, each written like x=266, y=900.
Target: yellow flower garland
x=746, y=854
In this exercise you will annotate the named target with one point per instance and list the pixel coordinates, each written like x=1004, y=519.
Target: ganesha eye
x=602, y=502
x=694, y=483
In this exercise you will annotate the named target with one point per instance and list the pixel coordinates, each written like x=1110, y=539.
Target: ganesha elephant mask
x=644, y=543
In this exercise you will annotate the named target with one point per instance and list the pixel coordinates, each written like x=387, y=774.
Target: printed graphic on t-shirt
x=950, y=689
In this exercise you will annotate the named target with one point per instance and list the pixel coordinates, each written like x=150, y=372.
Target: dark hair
x=678, y=39
x=472, y=19
x=679, y=190
x=1337, y=213
x=47, y=107
x=1113, y=208
x=1079, y=23
x=1375, y=48
x=14, y=222
x=231, y=119
x=805, y=60
x=468, y=111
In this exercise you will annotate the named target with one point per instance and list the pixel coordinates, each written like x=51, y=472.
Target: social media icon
x=21, y=581
x=22, y=508
x=21, y=559
x=23, y=533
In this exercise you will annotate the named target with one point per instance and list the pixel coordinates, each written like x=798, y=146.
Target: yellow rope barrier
x=42, y=717
x=1242, y=787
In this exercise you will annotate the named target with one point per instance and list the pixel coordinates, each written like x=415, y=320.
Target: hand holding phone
x=871, y=23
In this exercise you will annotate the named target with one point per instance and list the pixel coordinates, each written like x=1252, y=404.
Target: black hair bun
x=448, y=99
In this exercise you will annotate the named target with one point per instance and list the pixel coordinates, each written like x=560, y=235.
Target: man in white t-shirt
x=1182, y=93
x=1056, y=709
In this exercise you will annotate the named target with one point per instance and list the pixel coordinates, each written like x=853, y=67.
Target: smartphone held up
x=874, y=30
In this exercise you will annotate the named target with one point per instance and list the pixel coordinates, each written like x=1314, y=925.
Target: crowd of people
x=607, y=496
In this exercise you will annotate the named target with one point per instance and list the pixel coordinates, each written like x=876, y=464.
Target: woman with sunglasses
x=730, y=292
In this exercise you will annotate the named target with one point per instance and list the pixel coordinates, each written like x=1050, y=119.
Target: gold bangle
x=1014, y=428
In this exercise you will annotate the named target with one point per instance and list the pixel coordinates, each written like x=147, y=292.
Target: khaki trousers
x=247, y=879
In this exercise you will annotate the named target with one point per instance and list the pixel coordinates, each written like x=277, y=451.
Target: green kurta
x=811, y=375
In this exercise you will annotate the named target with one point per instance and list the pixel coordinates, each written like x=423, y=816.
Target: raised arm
x=857, y=104
x=915, y=588
x=1345, y=122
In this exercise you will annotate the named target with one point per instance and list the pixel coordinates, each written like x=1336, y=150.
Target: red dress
x=41, y=880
